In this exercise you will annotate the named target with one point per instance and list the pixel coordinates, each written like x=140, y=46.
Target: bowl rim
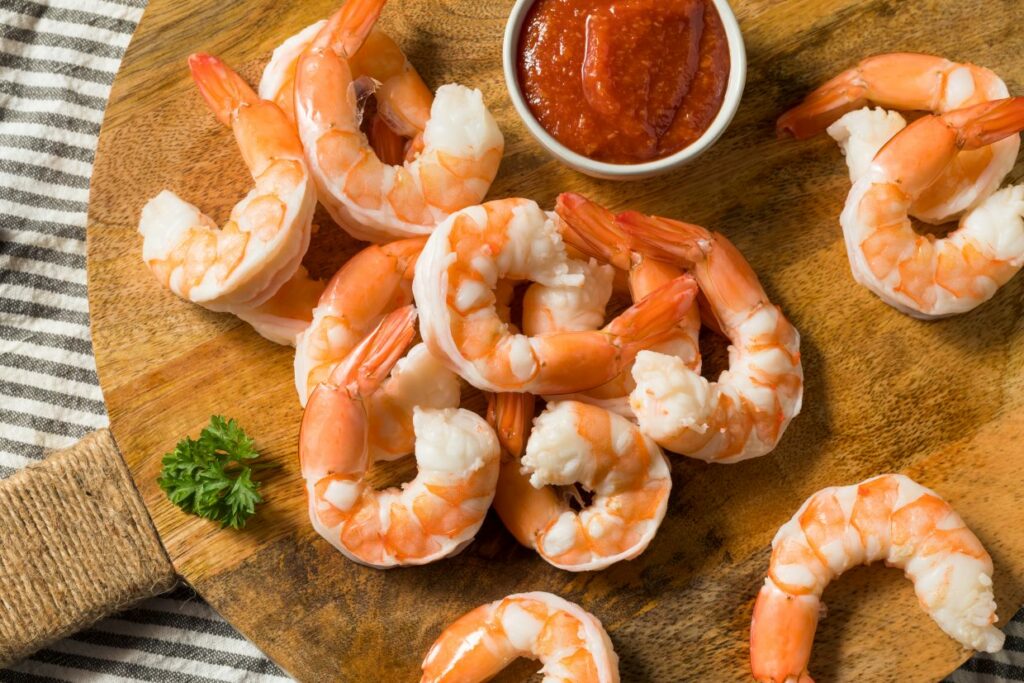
x=730, y=102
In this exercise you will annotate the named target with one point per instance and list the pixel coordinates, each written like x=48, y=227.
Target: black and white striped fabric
x=57, y=62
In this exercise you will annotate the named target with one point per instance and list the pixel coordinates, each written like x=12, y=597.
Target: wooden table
x=939, y=401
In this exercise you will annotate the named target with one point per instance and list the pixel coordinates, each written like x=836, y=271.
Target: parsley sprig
x=212, y=476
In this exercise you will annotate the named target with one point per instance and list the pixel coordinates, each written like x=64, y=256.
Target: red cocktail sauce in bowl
x=624, y=84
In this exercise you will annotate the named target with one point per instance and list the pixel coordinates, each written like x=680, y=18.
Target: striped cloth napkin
x=57, y=62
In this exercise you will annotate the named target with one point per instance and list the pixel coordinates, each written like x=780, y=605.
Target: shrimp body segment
x=241, y=265
x=429, y=518
x=461, y=145
x=887, y=518
x=569, y=308
x=513, y=239
x=418, y=381
x=371, y=284
x=746, y=411
x=570, y=642
x=918, y=274
x=917, y=82
x=277, y=83
x=287, y=314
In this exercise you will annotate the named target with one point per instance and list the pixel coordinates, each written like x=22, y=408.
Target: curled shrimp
x=889, y=518
x=379, y=67
x=745, y=412
x=239, y=267
x=916, y=82
x=461, y=145
x=454, y=289
x=593, y=230
x=918, y=274
x=572, y=444
x=371, y=284
x=457, y=455
x=570, y=642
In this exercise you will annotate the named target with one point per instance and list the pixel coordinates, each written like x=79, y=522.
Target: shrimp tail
x=510, y=414
x=592, y=229
x=727, y=280
x=821, y=108
x=347, y=28
x=781, y=636
x=329, y=428
x=223, y=89
x=385, y=347
x=655, y=314
x=665, y=239
x=988, y=122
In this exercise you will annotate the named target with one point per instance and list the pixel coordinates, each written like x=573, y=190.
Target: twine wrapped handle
x=76, y=544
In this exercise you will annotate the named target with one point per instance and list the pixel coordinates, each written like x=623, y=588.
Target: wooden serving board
x=939, y=401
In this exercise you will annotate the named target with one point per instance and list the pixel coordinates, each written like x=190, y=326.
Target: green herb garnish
x=210, y=476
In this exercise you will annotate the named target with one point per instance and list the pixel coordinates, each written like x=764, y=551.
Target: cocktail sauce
x=624, y=81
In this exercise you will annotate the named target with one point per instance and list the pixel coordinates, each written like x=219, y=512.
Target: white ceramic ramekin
x=602, y=169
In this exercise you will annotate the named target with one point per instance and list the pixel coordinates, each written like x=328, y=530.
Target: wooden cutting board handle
x=76, y=544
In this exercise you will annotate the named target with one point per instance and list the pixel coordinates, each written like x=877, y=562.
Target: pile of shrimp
x=584, y=409
x=340, y=118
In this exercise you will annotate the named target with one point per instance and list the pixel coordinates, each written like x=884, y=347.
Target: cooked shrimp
x=575, y=443
x=593, y=230
x=575, y=308
x=431, y=517
x=890, y=518
x=287, y=314
x=454, y=288
x=370, y=285
x=373, y=283
x=920, y=83
x=861, y=133
x=239, y=267
x=378, y=67
x=570, y=642
x=277, y=83
x=569, y=307
x=743, y=414
x=457, y=158
x=417, y=381
x=518, y=504
x=918, y=274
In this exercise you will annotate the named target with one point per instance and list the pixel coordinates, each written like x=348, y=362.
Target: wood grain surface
x=939, y=401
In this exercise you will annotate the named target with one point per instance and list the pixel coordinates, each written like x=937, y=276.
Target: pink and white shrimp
x=371, y=284
x=570, y=642
x=401, y=99
x=454, y=160
x=918, y=274
x=454, y=287
x=746, y=411
x=242, y=265
x=457, y=455
x=887, y=518
x=594, y=231
x=572, y=444
x=914, y=82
